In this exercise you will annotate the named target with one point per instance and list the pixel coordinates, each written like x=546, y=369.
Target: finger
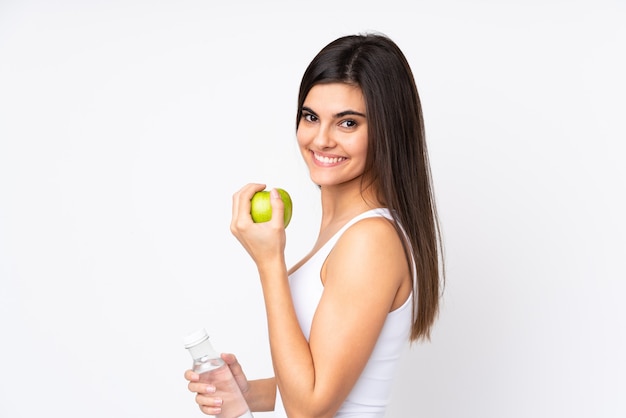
x=211, y=410
x=209, y=405
x=278, y=208
x=232, y=362
x=229, y=358
x=235, y=207
x=191, y=376
x=246, y=194
x=241, y=203
x=201, y=388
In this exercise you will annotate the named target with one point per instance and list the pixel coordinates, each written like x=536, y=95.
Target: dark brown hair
x=397, y=162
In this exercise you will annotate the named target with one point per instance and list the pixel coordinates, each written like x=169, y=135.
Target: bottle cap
x=195, y=338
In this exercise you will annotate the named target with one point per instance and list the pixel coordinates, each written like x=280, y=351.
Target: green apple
x=261, y=208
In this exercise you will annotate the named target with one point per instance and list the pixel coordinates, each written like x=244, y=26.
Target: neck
x=342, y=202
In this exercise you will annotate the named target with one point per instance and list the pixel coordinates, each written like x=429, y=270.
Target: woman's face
x=332, y=133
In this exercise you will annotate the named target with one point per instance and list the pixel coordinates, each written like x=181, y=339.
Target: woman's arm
x=362, y=277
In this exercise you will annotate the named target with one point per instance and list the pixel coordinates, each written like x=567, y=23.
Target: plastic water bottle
x=212, y=369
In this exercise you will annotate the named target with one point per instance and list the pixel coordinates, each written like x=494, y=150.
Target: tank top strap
x=372, y=213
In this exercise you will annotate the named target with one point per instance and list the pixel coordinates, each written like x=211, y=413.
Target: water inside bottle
x=206, y=364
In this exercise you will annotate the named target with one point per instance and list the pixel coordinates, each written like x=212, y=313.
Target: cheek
x=302, y=137
x=302, y=144
x=359, y=147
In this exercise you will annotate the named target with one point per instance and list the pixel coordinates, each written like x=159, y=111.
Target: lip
x=326, y=160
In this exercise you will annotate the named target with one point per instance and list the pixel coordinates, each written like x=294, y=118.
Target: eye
x=309, y=117
x=348, y=123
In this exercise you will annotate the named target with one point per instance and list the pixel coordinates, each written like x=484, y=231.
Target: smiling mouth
x=328, y=160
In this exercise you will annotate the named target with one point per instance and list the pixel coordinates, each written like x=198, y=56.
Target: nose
x=324, y=137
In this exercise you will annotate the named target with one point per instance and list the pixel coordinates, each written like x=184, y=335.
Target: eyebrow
x=337, y=115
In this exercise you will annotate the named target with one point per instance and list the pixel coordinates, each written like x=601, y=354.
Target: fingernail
x=210, y=389
x=274, y=194
x=218, y=402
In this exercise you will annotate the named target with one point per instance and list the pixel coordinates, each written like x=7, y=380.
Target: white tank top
x=371, y=393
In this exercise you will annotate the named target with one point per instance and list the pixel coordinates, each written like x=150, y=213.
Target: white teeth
x=328, y=160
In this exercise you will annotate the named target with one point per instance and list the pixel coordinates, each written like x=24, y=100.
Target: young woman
x=339, y=319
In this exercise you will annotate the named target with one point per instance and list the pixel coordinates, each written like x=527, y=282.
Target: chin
x=327, y=181
x=322, y=182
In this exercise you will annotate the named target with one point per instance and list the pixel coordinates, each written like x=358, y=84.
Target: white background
x=126, y=126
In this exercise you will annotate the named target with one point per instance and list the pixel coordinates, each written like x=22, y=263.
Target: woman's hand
x=205, y=398
x=265, y=241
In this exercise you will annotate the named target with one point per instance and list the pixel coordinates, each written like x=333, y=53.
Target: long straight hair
x=397, y=162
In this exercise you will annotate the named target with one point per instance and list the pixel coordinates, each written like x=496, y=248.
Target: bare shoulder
x=373, y=234
x=373, y=248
